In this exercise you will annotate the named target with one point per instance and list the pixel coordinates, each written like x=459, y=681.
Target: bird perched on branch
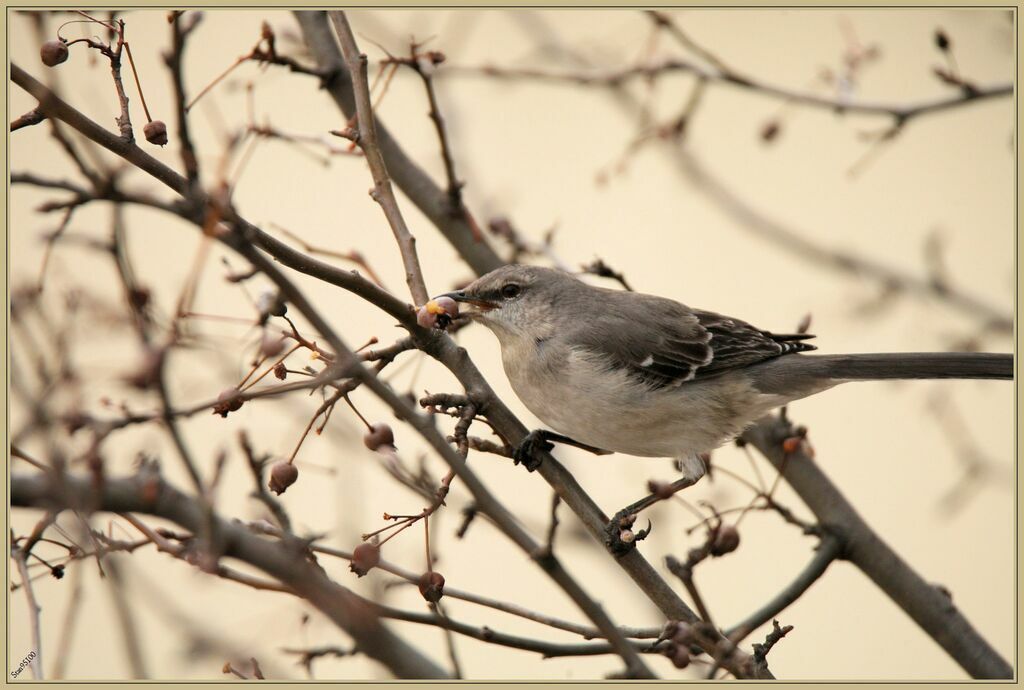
x=621, y=371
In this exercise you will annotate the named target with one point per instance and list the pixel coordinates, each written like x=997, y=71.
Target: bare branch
x=32, y=117
x=926, y=604
x=617, y=78
x=180, y=31
x=431, y=200
x=282, y=561
x=382, y=193
x=827, y=551
x=587, y=632
x=773, y=638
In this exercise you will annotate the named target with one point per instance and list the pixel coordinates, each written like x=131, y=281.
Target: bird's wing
x=736, y=344
x=664, y=343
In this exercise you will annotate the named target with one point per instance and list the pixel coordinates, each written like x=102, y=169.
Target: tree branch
x=828, y=550
x=929, y=607
x=585, y=631
x=382, y=192
x=32, y=117
x=902, y=113
x=282, y=560
x=430, y=199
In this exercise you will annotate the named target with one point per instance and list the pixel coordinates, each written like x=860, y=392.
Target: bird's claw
x=619, y=535
x=526, y=453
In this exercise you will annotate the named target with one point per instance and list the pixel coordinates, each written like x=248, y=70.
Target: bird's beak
x=480, y=305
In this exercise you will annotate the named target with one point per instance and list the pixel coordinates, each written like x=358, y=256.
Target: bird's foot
x=526, y=453
x=619, y=535
x=540, y=441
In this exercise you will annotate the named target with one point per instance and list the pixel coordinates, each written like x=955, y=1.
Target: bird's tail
x=796, y=376
x=912, y=365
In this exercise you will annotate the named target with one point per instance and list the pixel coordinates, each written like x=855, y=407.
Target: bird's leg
x=619, y=537
x=540, y=440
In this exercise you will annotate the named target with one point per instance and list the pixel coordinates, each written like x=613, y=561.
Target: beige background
x=533, y=152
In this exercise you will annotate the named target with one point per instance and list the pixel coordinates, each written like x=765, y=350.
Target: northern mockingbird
x=644, y=375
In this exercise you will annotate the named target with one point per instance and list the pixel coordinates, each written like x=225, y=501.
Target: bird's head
x=516, y=300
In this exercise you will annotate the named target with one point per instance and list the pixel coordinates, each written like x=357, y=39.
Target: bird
x=614, y=370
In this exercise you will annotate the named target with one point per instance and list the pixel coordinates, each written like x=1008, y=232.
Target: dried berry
x=791, y=445
x=282, y=475
x=379, y=435
x=227, y=401
x=681, y=657
x=425, y=318
x=57, y=571
x=281, y=371
x=941, y=40
x=726, y=541
x=156, y=132
x=271, y=345
x=437, y=312
x=271, y=303
x=364, y=558
x=431, y=586
x=54, y=52
x=443, y=305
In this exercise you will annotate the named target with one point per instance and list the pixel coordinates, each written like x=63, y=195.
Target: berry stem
x=270, y=369
x=138, y=84
x=369, y=426
x=98, y=21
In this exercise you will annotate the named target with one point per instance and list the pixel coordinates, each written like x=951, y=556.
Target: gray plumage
x=649, y=376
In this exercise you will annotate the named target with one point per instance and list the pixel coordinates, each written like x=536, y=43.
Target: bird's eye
x=510, y=290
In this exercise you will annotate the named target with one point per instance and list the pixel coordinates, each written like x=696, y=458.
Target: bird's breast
x=577, y=394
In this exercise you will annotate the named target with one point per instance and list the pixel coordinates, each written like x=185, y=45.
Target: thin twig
x=827, y=551
x=174, y=60
x=587, y=632
x=773, y=638
x=32, y=117
x=617, y=78
x=924, y=603
x=382, y=193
